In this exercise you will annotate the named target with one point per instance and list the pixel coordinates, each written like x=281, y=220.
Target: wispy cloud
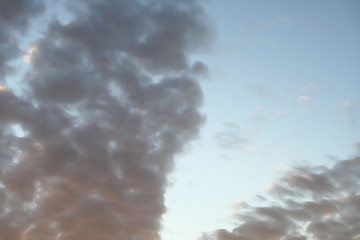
x=232, y=137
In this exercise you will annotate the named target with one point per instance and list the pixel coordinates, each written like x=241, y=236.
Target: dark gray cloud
x=306, y=203
x=110, y=99
x=15, y=16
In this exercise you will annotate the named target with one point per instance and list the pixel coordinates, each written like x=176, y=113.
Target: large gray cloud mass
x=109, y=100
x=15, y=16
x=306, y=203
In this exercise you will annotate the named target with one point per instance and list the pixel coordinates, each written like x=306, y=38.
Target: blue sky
x=284, y=89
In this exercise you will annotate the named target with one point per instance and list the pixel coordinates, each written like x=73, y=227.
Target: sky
x=283, y=90
x=207, y=120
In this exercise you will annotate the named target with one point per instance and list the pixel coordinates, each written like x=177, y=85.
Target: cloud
x=303, y=99
x=261, y=90
x=230, y=138
x=107, y=106
x=200, y=69
x=15, y=16
x=305, y=203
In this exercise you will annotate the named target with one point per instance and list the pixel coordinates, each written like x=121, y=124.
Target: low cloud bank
x=320, y=203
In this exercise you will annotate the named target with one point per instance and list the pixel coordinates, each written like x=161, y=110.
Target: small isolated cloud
x=230, y=140
x=260, y=90
x=319, y=203
x=303, y=99
x=231, y=137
